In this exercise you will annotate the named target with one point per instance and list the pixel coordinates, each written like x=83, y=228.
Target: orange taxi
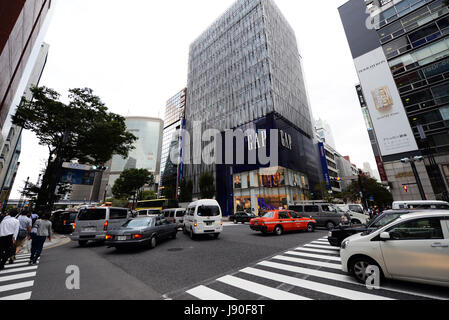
x=280, y=221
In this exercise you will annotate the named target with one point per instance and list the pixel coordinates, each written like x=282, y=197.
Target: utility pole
x=415, y=173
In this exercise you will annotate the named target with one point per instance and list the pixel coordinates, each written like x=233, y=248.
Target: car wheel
x=153, y=242
x=358, y=268
x=310, y=227
x=278, y=230
x=82, y=243
x=355, y=221
x=235, y=221
x=192, y=235
x=330, y=225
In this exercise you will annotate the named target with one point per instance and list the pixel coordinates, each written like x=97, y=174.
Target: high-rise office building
x=325, y=134
x=20, y=26
x=146, y=155
x=11, y=148
x=245, y=72
x=171, y=142
x=401, y=53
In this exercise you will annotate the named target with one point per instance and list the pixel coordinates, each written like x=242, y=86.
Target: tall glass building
x=401, y=52
x=173, y=123
x=147, y=152
x=245, y=72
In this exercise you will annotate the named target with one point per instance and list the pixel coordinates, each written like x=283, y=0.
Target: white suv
x=414, y=247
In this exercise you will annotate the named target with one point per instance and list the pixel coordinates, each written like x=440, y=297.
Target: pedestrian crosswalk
x=17, y=279
x=309, y=272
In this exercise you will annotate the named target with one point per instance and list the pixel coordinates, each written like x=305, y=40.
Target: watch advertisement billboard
x=387, y=112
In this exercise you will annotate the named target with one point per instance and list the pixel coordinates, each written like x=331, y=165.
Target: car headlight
x=345, y=244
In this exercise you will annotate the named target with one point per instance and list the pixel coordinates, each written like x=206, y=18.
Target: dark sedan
x=143, y=231
x=338, y=234
x=242, y=217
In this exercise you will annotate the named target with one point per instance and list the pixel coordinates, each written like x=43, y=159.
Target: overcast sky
x=134, y=55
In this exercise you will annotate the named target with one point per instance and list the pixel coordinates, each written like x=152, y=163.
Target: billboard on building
x=387, y=112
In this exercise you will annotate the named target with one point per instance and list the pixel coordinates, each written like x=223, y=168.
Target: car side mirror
x=384, y=236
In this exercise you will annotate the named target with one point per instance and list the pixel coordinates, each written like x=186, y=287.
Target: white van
x=356, y=213
x=421, y=204
x=203, y=217
x=175, y=216
x=92, y=223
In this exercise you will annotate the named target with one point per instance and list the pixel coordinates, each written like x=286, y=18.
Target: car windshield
x=382, y=221
x=208, y=211
x=268, y=215
x=137, y=223
x=355, y=208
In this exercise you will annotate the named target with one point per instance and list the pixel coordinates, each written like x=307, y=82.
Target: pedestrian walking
x=43, y=231
x=9, y=230
x=25, y=224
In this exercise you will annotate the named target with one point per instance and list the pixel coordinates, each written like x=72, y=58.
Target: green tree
x=207, y=186
x=81, y=129
x=130, y=182
x=186, y=189
x=147, y=195
x=382, y=197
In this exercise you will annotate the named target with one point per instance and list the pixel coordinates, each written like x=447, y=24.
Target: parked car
x=63, y=220
x=421, y=204
x=203, y=217
x=92, y=223
x=325, y=214
x=175, y=216
x=142, y=231
x=149, y=212
x=339, y=233
x=414, y=247
x=242, y=217
x=280, y=221
x=357, y=214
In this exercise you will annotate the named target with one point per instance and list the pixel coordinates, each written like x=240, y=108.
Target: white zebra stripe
x=19, y=296
x=205, y=293
x=317, y=250
x=265, y=291
x=315, y=286
x=312, y=255
x=309, y=262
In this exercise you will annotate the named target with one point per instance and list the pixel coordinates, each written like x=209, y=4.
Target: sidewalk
x=56, y=241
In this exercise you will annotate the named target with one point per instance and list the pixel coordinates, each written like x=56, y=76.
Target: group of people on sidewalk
x=16, y=229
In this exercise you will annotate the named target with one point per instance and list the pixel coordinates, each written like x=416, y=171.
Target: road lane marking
x=265, y=291
x=315, y=286
x=20, y=296
x=309, y=262
x=15, y=286
x=205, y=293
x=311, y=255
x=12, y=270
x=322, y=247
x=18, y=276
x=317, y=250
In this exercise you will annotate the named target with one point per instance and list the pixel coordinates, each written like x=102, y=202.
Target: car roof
x=203, y=202
x=421, y=202
x=425, y=214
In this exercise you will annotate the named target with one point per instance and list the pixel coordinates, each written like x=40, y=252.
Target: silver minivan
x=175, y=216
x=92, y=223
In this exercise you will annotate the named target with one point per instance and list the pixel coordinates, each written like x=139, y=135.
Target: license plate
x=209, y=223
x=90, y=229
x=121, y=238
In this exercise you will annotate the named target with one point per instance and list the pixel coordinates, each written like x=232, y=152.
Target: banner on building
x=387, y=112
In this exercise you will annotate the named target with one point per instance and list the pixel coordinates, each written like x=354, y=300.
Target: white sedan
x=414, y=247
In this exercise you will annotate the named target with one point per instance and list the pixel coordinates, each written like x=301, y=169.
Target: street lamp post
x=412, y=161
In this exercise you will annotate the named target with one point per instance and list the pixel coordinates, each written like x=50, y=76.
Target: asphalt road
x=241, y=264
x=169, y=269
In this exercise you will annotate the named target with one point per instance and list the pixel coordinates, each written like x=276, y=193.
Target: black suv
x=62, y=221
x=242, y=216
x=338, y=234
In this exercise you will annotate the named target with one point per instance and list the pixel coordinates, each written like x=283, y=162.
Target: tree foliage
x=382, y=197
x=131, y=181
x=81, y=129
x=207, y=186
x=186, y=189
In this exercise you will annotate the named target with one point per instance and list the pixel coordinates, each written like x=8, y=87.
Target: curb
x=64, y=240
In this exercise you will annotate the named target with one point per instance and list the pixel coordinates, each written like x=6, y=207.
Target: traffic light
x=405, y=188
